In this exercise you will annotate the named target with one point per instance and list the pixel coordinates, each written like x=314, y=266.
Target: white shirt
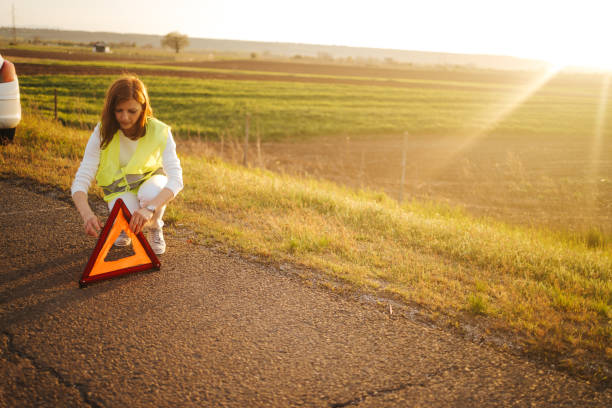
x=91, y=159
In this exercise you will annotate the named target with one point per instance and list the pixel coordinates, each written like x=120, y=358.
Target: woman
x=132, y=156
x=10, y=107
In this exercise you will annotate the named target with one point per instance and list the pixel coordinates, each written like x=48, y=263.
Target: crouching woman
x=133, y=157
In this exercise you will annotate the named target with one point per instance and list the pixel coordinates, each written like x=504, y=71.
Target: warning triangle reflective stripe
x=143, y=259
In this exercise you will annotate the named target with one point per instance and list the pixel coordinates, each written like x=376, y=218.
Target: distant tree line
x=38, y=41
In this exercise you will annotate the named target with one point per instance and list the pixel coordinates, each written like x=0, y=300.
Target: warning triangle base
x=143, y=258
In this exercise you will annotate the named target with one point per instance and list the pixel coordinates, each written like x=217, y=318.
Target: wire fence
x=529, y=182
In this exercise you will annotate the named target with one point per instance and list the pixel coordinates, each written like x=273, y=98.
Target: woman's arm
x=143, y=214
x=82, y=181
x=172, y=167
x=89, y=165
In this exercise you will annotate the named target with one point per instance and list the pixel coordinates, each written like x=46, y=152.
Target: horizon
x=276, y=42
x=560, y=32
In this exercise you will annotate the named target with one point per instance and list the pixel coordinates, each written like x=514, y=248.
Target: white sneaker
x=123, y=240
x=156, y=240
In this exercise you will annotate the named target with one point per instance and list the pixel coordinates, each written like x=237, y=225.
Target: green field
x=290, y=110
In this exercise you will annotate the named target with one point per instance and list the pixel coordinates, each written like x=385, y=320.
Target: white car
x=10, y=106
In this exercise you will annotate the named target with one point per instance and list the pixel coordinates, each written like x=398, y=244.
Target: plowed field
x=45, y=69
x=287, y=71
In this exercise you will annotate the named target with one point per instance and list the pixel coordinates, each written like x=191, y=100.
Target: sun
x=592, y=62
x=579, y=55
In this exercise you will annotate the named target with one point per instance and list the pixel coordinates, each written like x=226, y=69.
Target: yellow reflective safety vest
x=146, y=161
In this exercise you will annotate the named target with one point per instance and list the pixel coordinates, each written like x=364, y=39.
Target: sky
x=576, y=32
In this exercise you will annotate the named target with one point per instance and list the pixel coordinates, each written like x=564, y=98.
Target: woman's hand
x=139, y=219
x=92, y=225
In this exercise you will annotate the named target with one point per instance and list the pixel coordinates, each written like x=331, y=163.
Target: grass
x=477, y=304
x=555, y=295
x=595, y=238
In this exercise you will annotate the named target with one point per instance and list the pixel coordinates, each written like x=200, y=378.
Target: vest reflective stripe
x=144, y=163
x=132, y=181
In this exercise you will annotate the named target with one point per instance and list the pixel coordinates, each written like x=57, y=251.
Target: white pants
x=146, y=192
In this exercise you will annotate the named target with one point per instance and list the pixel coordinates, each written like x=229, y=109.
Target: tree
x=175, y=40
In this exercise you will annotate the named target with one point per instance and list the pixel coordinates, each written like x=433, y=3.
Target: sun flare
x=491, y=117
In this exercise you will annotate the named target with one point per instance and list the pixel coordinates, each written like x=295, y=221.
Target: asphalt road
x=214, y=329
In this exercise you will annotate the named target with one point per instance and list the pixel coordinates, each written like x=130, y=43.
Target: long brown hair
x=125, y=88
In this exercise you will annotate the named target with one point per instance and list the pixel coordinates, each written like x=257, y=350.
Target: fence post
x=403, y=178
x=259, y=161
x=55, y=104
x=222, y=142
x=362, y=169
x=246, y=140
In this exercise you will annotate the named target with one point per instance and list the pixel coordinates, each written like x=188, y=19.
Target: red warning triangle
x=143, y=259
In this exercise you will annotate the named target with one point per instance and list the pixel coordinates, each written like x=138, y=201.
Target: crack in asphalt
x=81, y=388
x=384, y=391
